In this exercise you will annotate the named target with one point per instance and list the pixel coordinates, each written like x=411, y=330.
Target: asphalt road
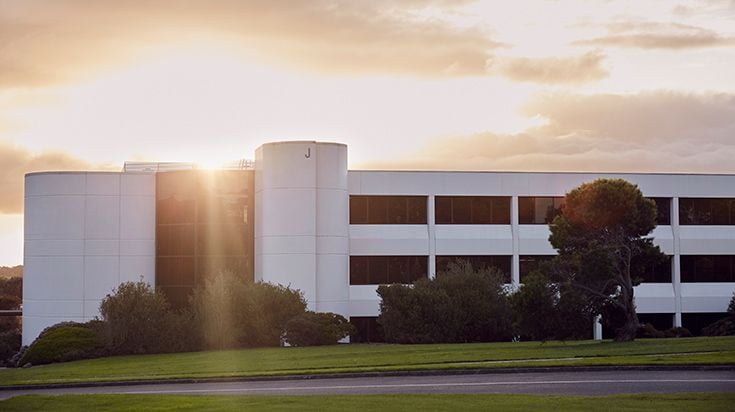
x=547, y=383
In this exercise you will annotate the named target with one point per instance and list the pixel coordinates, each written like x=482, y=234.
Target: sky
x=573, y=85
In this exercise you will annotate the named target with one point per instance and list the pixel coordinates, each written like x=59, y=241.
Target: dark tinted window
x=707, y=211
x=660, y=273
x=367, y=329
x=380, y=270
x=707, y=268
x=538, y=210
x=203, y=226
x=529, y=263
x=386, y=210
x=472, y=210
x=663, y=209
x=502, y=263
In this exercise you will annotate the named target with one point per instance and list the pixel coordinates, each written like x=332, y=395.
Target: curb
x=428, y=372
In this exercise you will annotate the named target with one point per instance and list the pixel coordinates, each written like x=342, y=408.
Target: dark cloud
x=651, y=132
x=655, y=35
x=15, y=162
x=553, y=70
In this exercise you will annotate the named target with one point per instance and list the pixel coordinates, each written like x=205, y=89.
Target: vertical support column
x=431, y=227
x=676, y=260
x=515, y=259
x=597, y=328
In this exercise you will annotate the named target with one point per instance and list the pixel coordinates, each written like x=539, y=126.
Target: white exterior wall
x=301, y=214
x=516, y=240
x=85, y=233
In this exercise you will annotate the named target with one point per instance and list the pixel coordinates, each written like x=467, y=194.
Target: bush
x=9, y=346
x=725, y=326
x=647, y=330
x=139, y=320
x=677, y=332
x=461, y=305
x=231, y=313
x=315, y=329
x=64, y=342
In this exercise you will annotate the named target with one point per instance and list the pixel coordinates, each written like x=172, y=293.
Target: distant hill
x=11, y=271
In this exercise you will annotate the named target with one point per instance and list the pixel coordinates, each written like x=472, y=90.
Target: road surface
x=547, y=383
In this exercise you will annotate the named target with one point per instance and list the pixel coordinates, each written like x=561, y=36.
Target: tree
x=601, y=237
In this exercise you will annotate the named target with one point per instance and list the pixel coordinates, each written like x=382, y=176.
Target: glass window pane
x=443, y=210
x=358, y=210
x=481, y=210
x=501, y=210
x=526, y=210
x=461, y=210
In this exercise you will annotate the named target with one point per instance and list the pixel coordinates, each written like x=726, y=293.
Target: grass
x=619, y=403
x=375, y=357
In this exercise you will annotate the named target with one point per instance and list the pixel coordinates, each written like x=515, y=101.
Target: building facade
x=300, y=218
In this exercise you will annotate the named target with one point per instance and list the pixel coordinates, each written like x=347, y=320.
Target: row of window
x=487, y=210
x=376, y=270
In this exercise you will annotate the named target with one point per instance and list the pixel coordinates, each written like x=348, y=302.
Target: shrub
x=534, y=304
x=230, y=312
x=723, y=327
x=677, y=332
x=9, y=345
x=647, y=330
x=139, y=320
x=63, y=342
x=461, y=305
x=314, y=329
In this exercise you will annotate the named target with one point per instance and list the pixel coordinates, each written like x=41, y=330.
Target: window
x=203, y=226
x=660, y=273
x=368, y=329
x=383, y=270
x=663, y=209
x=529, y=263
x=500, y=262
x=387, y=210
x=707, y=211
x=472, y=210
x=538, y=210
x=707, y=268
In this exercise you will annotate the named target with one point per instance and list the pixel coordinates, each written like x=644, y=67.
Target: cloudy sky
x=413, y=84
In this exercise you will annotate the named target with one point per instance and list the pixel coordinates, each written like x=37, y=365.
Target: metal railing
x=155, y=167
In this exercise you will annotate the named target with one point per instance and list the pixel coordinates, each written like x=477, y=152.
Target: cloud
x=50, y=41
x=648, y=132
x=15, y=162
x=654, y=35
x=574, y=70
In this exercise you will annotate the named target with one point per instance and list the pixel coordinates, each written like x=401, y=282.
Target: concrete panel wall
x=85, y=233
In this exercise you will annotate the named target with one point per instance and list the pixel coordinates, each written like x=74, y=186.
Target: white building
x=300, y=218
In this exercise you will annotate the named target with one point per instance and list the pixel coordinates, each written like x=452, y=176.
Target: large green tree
x=602, y=238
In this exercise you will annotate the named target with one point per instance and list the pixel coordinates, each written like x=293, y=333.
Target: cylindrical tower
x=301, y=213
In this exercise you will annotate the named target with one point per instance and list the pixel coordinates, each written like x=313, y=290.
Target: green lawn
x=363, y=358
x=620, y=403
